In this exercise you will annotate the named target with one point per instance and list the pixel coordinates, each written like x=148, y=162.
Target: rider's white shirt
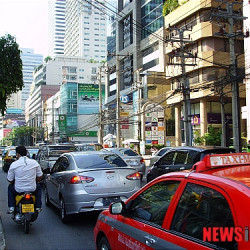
x=24, y=171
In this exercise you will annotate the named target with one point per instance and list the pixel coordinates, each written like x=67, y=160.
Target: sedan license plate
x=28, y=208
x=107, y=201
x=133, y=163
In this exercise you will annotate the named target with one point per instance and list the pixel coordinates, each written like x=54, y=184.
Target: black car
x=183, y=158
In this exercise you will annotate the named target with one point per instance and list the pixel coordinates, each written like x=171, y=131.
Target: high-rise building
x=30, y=62
x=56, y=27
x=136, y=46
x=85, y=33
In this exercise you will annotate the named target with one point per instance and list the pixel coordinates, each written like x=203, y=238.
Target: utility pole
x=53, y=122
x=118, y=101
x=118, y=104
x=231, y=16
x=100, y=107
x=137, y=85
x=185, y=81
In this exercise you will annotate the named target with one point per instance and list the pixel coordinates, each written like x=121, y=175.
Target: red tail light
x=27, y=196
x=142, y=160
x=134, y=176
x=79, y=179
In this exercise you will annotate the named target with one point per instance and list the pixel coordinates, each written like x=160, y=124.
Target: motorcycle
x=25, y=212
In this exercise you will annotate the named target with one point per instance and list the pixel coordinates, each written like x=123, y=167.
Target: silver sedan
x=88, y=181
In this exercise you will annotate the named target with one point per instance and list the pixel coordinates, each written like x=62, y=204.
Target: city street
x=47, y=232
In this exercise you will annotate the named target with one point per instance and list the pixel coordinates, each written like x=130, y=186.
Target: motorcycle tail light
x=134, y=176
x=80, y=179
x=27, y=196
x=142, y=160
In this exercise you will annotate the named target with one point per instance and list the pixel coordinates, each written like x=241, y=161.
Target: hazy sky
x=27, y=20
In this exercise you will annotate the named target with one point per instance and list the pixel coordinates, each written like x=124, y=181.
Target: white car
x=132, y=158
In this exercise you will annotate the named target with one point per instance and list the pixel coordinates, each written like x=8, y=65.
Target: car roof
x=237, y=176
x=75, y=153
x=202, y=148
x=234, y=166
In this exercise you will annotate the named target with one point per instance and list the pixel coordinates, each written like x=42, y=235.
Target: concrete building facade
x=72, y=81
x=85, y=33
x=136, y=48
x=207, y=69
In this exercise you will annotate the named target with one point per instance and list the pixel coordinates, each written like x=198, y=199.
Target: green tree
x=21, y=136
x=48, y=58
x=169, y=6
x=11, y=75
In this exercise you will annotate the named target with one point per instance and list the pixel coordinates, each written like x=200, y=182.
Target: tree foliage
x=48, y=58
x=212, y=137
x=21, y=136
x=169, y=6
x=11, y=75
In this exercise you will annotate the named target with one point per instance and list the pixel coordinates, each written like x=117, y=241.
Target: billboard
x=11, y=121
x=154, y=124
x=88, y=98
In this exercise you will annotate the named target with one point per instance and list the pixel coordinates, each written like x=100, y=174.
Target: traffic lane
x=47, y=232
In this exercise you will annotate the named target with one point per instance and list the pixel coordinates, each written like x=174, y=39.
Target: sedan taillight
x=134, y=176
x=80, y=179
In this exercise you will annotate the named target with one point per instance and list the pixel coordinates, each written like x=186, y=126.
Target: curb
x=2, y=239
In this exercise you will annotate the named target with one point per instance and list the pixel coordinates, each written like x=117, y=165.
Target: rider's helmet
x=21, y=150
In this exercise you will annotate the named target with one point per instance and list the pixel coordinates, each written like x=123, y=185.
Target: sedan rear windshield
x=128, y=152
x=99, y=161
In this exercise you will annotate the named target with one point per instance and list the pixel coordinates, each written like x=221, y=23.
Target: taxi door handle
x=149, y=240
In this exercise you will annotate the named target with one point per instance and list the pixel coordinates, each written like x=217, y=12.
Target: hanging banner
x=62, y=123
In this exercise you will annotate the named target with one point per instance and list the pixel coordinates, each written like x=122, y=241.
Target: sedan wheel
x=64, y=216
x=103, y=244
x=46, y=197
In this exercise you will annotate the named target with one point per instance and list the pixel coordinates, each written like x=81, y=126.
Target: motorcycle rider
x=24, y=175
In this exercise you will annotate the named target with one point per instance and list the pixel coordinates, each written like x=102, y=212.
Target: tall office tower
x=135, y=37
x=85, y=33
x=56, y=30
x=30, y=62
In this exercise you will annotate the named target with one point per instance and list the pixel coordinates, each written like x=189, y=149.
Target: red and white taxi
x=206, y=208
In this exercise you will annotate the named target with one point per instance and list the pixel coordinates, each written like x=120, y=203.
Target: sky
x=27, y=20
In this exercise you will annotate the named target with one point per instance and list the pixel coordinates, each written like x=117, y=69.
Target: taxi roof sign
x=222, y=160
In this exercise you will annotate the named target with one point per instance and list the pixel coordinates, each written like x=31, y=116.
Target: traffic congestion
x=202, y=205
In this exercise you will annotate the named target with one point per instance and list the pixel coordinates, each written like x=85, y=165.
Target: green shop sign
x=84, y=134
x=62, y=123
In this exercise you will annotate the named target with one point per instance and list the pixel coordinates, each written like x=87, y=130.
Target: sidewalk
x=2, y=239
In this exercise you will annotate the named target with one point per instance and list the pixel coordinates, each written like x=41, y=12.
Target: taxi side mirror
x=117, y=207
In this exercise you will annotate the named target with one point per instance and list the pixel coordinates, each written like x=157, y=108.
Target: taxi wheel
x=103, y=244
